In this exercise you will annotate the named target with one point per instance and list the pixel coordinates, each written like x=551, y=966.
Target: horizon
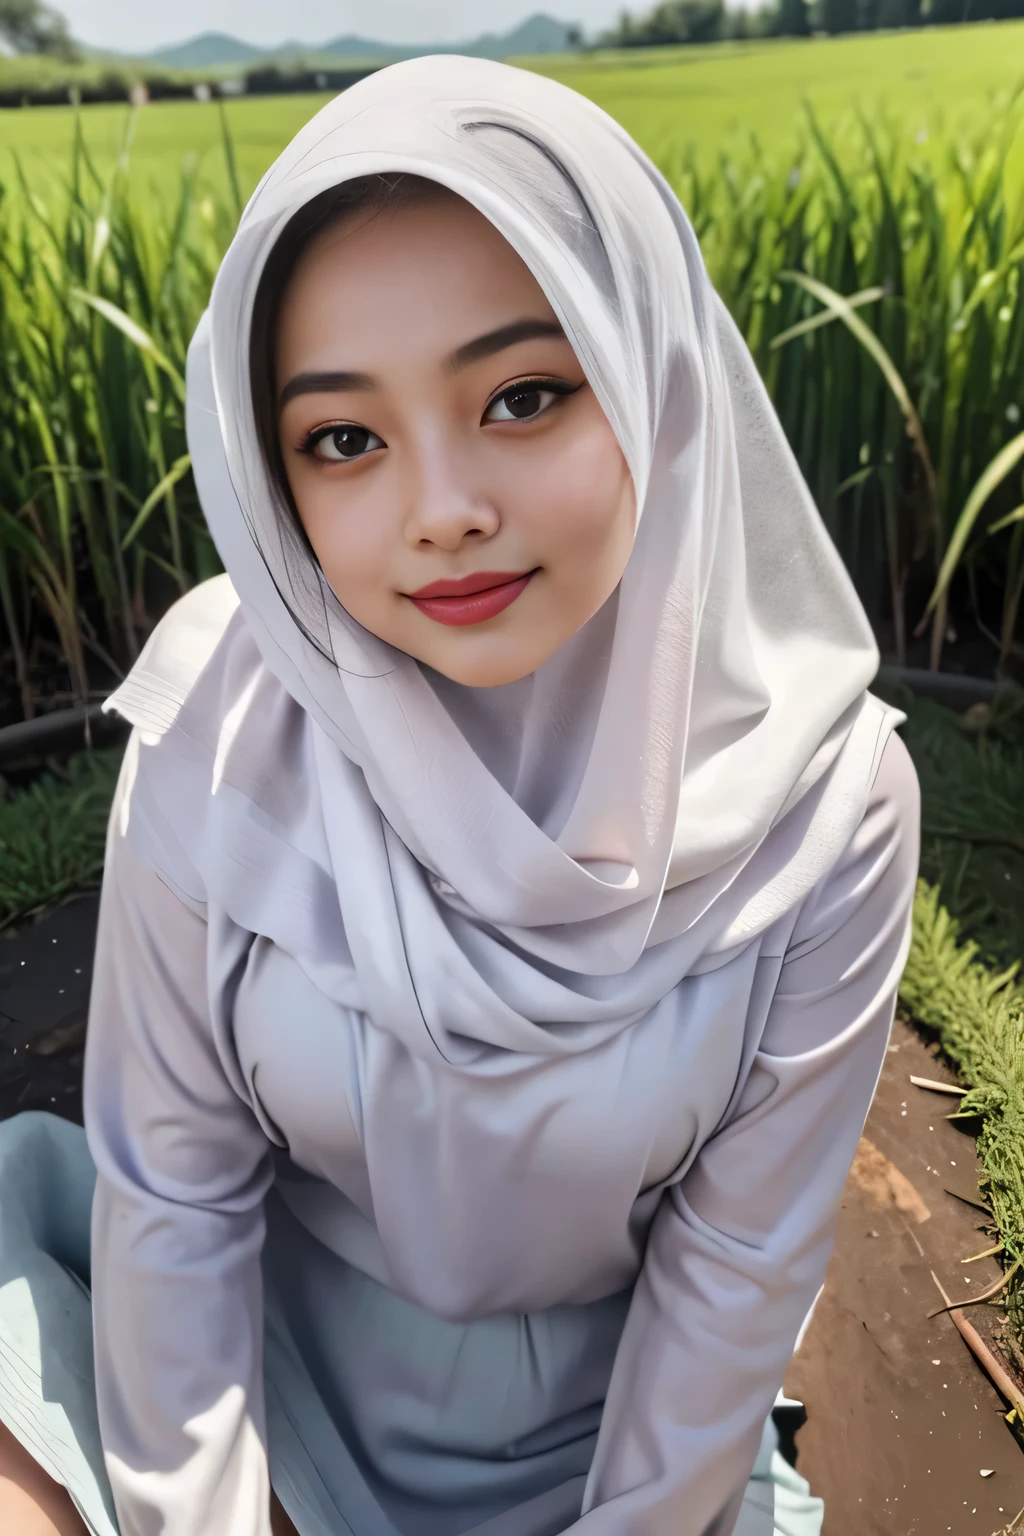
x=123, y=26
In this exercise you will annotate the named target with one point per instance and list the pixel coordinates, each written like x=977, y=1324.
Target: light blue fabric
x=777, y=1490
x=47, y=1390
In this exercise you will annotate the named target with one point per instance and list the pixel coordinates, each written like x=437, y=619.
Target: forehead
x=400, y=234
x=433, y=269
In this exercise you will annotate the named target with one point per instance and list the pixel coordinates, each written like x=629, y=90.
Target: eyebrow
x=324, y=384
x=473, y=351
x=497, y=341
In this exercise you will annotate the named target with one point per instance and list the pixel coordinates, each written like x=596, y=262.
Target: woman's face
x=460, y=485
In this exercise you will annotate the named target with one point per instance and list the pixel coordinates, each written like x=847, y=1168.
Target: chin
x=484, y=671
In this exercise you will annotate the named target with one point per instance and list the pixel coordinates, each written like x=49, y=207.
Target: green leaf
x=135, y=334
x=177, y=471
x=995, y=473
x=1016, y=516
x=842, y=309
x=826, y=316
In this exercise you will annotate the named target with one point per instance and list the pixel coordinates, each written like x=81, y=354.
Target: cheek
x=583, y=504
x=348, y=534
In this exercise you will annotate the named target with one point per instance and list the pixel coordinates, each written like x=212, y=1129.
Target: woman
x=506, y=891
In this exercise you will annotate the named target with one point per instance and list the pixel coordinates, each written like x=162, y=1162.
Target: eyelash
x=552, y=386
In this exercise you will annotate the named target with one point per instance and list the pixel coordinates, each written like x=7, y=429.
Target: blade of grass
x=229, y=160
x=135, y=334
x=178, y=470
x=995, y=473
x=826, y=317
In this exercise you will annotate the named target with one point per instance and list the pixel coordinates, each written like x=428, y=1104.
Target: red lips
x=470, y=599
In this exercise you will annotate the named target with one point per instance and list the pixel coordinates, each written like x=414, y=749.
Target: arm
x=738, y=1250
x=177, y=1222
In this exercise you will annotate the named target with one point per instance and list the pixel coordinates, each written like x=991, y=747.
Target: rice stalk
x=920, y=247
x=992, y=477
x=926, y=245
x=99, y=295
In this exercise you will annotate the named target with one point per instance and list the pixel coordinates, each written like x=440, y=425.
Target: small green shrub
x=978, y=1017
x=52, y=834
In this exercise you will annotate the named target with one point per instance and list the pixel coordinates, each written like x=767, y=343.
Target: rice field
x=714, y=98
x=859, y=209
x=718, y=98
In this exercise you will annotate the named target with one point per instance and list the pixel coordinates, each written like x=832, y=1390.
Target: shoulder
x=175, y=656
x=218, y=742
x=888, y=840
x=895, y=798
x=873, y=881
x=201, y=677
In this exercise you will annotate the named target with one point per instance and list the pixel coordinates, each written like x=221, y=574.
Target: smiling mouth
x=470, y=599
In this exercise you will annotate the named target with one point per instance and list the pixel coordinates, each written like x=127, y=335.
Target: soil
x=901, y=1422
x=45, y=972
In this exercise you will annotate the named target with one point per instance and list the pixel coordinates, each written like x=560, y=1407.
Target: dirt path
x=901, y=1421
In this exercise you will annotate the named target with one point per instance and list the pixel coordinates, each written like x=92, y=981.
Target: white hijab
x=674, y=779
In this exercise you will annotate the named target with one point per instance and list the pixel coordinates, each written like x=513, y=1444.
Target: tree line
x=30, y=26
x=33, y=26
x=709, y=21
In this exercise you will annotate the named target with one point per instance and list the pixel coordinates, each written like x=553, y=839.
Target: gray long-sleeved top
x=698, y=1156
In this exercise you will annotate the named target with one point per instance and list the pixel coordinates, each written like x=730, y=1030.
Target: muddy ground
x=901, y=1422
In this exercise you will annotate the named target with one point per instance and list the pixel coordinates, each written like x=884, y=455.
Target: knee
x=31, y=1503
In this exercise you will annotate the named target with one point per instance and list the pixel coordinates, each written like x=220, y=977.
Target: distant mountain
x=543, y=34
x=352, y=47
x=206, y=52
x=539, y=34
x=212, y=50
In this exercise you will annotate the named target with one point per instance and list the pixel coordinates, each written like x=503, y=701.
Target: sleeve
x=182, y=1167
x=738, y=1249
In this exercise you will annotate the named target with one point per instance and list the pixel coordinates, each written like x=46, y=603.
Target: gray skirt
x=327, y=1485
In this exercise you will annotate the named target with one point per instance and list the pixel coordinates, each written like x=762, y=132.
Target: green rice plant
x=99, y=294
x=896, y=412
x=875, y=272
x=995, y=473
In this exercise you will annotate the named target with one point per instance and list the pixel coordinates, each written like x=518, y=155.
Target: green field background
x=712, y=98
x=903, y=194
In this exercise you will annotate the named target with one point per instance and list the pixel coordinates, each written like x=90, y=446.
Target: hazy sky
x=138, y=25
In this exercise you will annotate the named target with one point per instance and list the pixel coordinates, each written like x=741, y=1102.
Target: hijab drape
x=529, y=866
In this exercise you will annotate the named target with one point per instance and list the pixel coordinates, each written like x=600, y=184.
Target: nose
x=444, y=506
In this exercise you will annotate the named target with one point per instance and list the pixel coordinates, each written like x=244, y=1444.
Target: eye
x=527, y=399
x=339, y=444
